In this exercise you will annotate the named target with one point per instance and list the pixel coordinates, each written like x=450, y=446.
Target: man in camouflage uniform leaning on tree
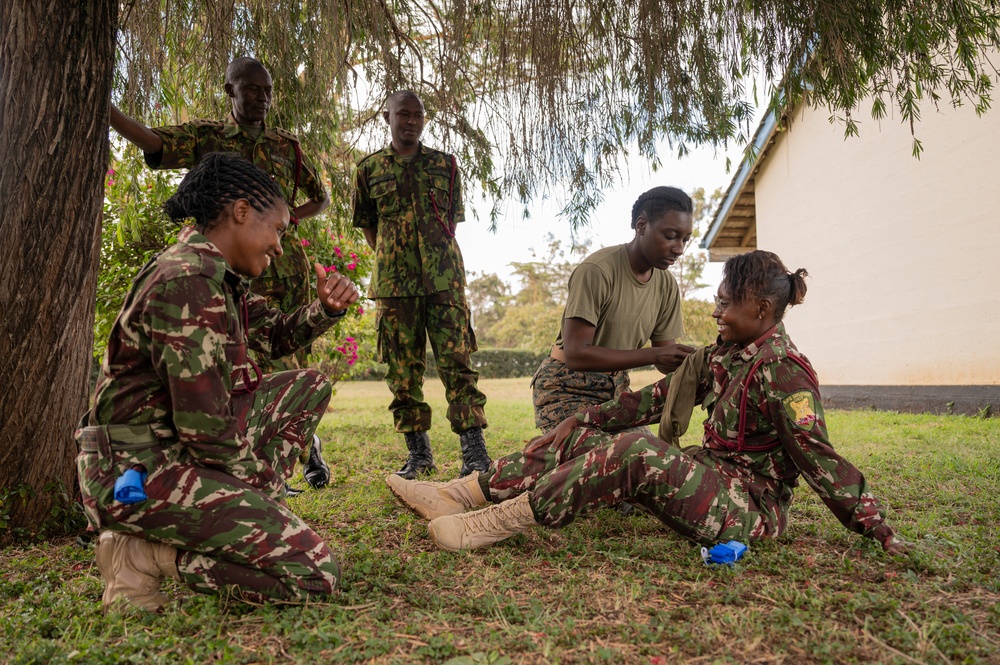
x=286, y=282
x=765, y=429
x=176, y=404
x=407, y=201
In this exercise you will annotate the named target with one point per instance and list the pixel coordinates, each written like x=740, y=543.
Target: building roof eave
x=742, y=183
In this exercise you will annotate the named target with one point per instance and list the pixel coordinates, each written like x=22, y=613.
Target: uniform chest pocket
x=385, y=196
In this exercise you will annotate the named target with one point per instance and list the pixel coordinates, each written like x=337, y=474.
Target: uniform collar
x=231, y=128
x=392, y=151
x=190, y=236
x=769, y=339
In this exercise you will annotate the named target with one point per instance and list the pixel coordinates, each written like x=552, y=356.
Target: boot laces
x=495, y=518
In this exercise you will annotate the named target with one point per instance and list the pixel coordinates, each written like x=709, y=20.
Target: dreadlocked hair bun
x=658, y=201
x=219, y=179
x=761, y=274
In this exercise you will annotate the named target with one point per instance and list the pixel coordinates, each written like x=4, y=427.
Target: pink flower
x=348, y=339
x=361, y=310
x=336, y=251
x=353, y=255
x=330, y=268
x=111, y=181
x=305, y=243
x=111, y=171
x=352, y=265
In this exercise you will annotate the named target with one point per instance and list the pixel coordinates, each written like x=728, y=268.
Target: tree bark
x=56, y=64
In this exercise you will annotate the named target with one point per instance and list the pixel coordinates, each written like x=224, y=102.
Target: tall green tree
x=530, y=94
x=53, y=138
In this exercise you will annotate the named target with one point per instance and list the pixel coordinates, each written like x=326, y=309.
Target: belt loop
x=103, y=443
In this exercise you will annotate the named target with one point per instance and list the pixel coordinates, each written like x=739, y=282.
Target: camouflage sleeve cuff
x=334, y=316
x=153, y=159
x=884, y=534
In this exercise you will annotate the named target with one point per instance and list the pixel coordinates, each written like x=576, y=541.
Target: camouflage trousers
x=697, y=496
x=404, y=327
x=229, y=534
x=559, y=392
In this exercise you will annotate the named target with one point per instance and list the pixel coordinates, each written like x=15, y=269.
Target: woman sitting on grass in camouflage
x=178, y=405
x=765, y=428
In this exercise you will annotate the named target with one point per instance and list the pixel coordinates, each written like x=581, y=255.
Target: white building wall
x=903, y=254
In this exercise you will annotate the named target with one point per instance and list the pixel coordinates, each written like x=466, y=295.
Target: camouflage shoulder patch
x=285, y=134
x=800, y=407
x=369, y=156
x=202, y=122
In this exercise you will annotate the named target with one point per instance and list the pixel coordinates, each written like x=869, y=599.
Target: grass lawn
x=606, y=589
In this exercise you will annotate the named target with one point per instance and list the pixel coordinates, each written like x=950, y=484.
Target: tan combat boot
x=482, y=527
x=430, y=500
x=132, y=569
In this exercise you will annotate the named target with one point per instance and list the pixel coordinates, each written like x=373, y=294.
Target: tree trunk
x=56, y=63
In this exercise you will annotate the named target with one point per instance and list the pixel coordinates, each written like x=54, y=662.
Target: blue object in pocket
x=724, y=553
x=129, y=486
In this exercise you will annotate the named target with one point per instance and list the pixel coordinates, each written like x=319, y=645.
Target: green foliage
x=531, y=326
x=65, y=514
x=506, y=363
x=132, y=232
x=699, y=326
x=488, y=297
x=490, y=363
x=602, y=80
x=607, y=588
x=531, y=317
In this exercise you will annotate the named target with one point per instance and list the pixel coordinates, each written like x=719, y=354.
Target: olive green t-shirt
x=604, y=292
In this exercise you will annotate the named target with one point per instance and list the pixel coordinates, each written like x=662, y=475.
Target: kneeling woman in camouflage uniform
x=178, y=402
x=765, y=429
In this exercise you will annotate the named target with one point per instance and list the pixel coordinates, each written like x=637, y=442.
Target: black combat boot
x=474, y=455
x=420, y=460
x=316, y=472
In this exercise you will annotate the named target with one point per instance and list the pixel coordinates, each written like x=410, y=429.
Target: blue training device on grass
x=129, y=486
x=724, y=553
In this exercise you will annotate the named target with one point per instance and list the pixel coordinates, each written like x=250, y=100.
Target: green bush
x=490, y=363
x=503, y=363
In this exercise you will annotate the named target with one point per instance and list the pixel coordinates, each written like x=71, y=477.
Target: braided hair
x=760, y=274
x=219, y=179
x=658, y=201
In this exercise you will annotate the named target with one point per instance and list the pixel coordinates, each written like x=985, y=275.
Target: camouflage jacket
x=179, y=345
x=415, y=206
x=779, y=435
x=275, y=150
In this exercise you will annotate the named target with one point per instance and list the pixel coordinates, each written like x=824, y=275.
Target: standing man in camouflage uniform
x=619, y=299
x=407, y=202
x=176, y=404
x=765, y=429
x=286, y=282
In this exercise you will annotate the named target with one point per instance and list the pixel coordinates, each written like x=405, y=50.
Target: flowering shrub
x=350, y=345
